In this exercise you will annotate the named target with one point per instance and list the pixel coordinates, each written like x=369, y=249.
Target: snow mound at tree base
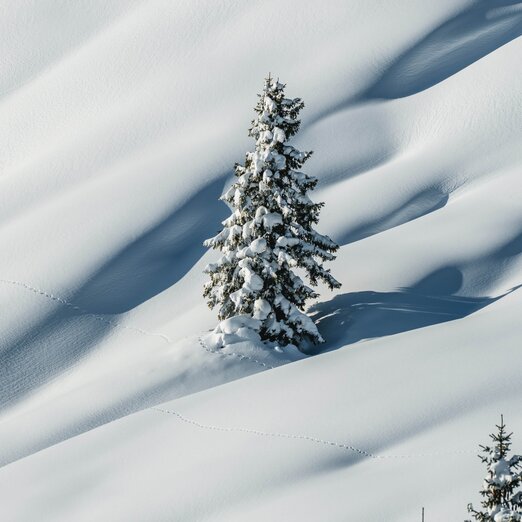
x=238, y=336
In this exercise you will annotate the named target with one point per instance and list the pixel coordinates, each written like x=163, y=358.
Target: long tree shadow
x=356, y=316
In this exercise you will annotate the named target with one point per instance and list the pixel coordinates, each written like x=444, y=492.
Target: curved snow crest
x=476, y=31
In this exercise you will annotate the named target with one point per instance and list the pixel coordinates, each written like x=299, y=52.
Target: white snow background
x=120, y=123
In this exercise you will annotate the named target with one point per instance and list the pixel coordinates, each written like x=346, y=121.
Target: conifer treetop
x=502, y=503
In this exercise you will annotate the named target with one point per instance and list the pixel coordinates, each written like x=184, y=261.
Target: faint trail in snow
x=265, y=433
x=340, y=445
x=167, y=339
x=72, y=306
x=116, y=324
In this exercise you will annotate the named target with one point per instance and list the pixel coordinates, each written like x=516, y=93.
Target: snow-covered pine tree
x=271, y=232
x=504, y=475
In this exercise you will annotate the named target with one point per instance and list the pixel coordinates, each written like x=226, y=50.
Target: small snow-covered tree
x=271, y=232
x=504, y=475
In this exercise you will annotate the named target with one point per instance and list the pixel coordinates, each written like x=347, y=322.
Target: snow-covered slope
x=119, y=126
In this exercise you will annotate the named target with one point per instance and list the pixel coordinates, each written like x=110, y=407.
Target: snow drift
x=120, y=125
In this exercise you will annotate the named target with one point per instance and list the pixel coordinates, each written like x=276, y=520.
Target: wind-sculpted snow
x=119, y=128
x=478, y=30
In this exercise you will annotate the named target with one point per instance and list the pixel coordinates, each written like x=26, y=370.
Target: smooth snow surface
x=120, y=123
